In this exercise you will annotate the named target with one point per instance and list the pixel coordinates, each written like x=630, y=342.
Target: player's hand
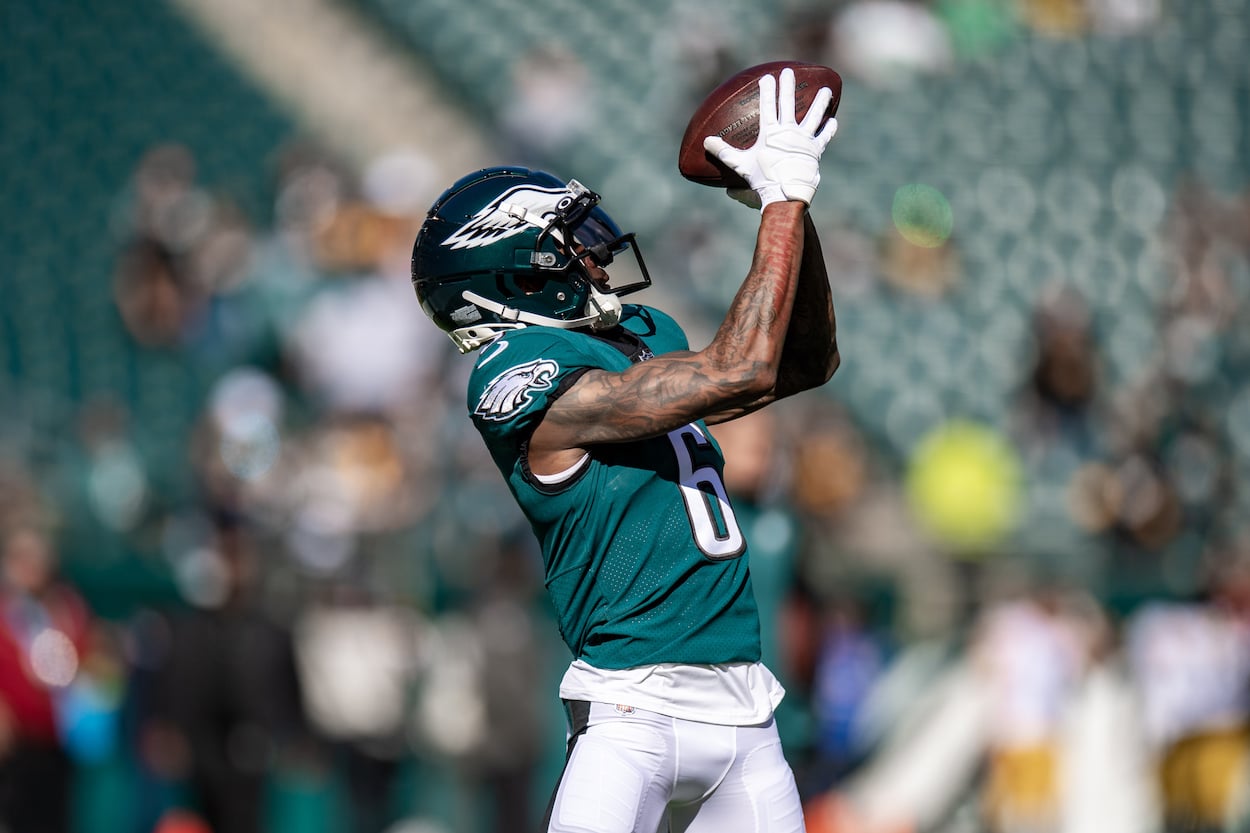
x=784, y=162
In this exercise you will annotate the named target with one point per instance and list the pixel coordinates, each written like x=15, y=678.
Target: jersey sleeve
x=658, y=329
x=516, y=379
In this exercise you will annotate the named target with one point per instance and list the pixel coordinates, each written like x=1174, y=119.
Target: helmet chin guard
x=505, y=248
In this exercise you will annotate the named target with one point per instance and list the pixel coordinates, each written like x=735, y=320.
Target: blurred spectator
x=153, y=294
x=310, y=185
x=184, y=247
x=357, y=660
x=240, y=440
x=227, y=692
x=1059, y=420
x=1064, y=384
x=44, y=633
x=479, y=709
x=851, y=658
x=357, y=349
x=887, y=43
x=924, y=271
x=1059, y=404
x=163, y=202
x=1207, y=231
x=918, y=255
x=1031, y=655
x=1191, y=664
x=514, y=662
x=117, y=482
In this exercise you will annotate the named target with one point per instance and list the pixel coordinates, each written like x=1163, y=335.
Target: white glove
x=784, y=162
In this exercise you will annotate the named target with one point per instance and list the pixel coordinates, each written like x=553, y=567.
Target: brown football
x=732, y=111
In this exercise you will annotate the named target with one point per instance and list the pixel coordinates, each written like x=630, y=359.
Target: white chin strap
x=607, y=312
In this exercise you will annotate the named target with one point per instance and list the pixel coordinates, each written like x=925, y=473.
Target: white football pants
x=635, y=771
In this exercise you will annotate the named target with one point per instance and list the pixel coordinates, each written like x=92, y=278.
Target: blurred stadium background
x=259, y=575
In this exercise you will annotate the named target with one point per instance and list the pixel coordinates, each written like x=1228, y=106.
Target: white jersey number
x=712, y=519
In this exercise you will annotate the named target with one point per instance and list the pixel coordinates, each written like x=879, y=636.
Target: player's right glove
x=784, y=162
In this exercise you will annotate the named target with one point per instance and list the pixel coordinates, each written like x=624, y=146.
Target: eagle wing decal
x=508, y=214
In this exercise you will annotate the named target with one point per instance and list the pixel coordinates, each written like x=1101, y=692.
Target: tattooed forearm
x=760, y=312
x=810, y=355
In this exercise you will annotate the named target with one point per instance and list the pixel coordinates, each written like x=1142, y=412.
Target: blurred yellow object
x=1200, y=775
x=963, y=483
x=1062, y=18
x=1021, y=791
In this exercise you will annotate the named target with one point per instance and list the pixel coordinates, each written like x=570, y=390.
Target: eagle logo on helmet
x=509, y=214
x=512, y=390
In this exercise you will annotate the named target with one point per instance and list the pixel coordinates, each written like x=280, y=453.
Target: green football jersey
x=645, y=562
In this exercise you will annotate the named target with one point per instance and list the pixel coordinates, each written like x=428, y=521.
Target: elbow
x=832, y=364
x=740, y=378
x=752, y=381
x=758, y=383
x=811, y=375
x=816, y=370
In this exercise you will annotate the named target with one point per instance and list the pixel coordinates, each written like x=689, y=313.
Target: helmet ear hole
x=529, y=284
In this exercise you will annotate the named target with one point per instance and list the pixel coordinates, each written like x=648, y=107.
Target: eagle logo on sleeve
x=511, y=391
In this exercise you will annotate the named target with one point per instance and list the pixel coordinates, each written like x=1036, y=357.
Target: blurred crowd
x=336, y=620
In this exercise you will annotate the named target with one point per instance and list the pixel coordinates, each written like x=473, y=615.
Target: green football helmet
x=504, y=247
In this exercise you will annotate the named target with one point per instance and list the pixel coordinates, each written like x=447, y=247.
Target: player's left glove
x=784, y=162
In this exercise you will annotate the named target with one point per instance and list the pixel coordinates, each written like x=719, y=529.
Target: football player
x=596, y=413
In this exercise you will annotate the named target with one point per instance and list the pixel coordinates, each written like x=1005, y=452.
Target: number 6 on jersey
x=712, y=520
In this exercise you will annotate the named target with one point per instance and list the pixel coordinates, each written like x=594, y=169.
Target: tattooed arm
x=739, y=371
x=810, y=355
